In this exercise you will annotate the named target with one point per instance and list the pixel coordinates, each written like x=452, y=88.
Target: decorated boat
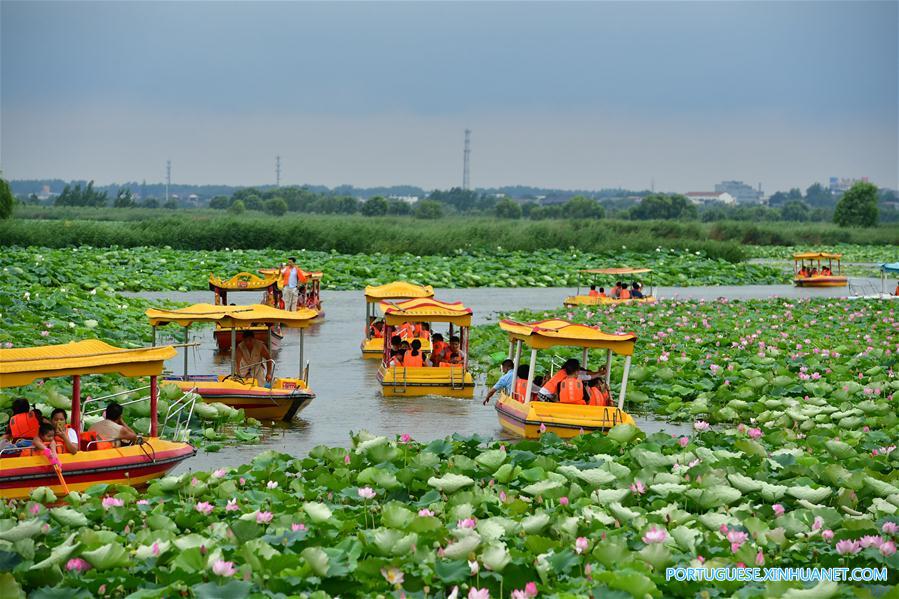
x=808, y=270
x=450, y=380
x=523, y=416
x=136, y=465
x=241, y=282
x=310, y=296
x=373, y=343
x=286, y=397
x=593, y=278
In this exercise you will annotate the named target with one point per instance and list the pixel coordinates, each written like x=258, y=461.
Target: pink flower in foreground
x=890, y=528
x=778, y=510
x=231, y=505
x=154, y=549
x=563, y=500
x=366, y=493
x=393, y=575
x=297, y=527
x=474, y=593
x=76, y=564
x=222, y=568
x=143, y=502
x=405, y=438
x=272, y=484
x=581, y=544
x=204, y=507
x=263, y=517
x=219, y=473
x=655, y=535
x=467, y=523
x=701, y=425
x=846, y=546
x=888, y=548
x=502, y=496
x=473, y=567
x=638, y=487
x=346, y=459
x=827, y=535
x=755, y=433
x=870, y=541
x=542, y=430
x=818, y=523
x=760, y=558
x=683, y=441
x=425, y=512
x=36, y=508
x=45, y=333
x=529, y=591
x=109, y=502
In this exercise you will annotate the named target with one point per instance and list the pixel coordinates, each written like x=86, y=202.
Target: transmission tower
x=168, y=178
x=466, y=181
x=277, y=171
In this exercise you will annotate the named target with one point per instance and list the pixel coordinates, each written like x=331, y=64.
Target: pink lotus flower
x=581, y=544
x=529, y=591
x=701, y=426
x=736, y=538
x=542, y=430
x=890, y=528
x=346, y=459
x=655, y=535
x=888, y=548
x=563, y=500
x=143, y=502
x=222, y=568
x=778, y=510
x=36, y=509
x=405, y=438
x=755, y=433
x=154, y=549
x=827, y=535
x=818, y=523
x=366, y=492
x=231, y=505
x=425, y=512
x=221, y=472
x=846, y=546
x=109, y=502
x=474, y=593
x=870, y=541
x=272, y=484
x=683, y=441
x=393, y=576
x=760, y=558
x=297, y=527
x=473, y=567
x=76, y=564
x=502, y=496
x=263, y=517
x=45, y=333
x=638, y=487
x=204, y=507
x=467, y=523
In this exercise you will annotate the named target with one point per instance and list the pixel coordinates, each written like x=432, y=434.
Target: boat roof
x=243, y=281
x=232, y=316
x=21, y=366
x=557, y=332
x=397, y=290
x=425, y=309
x=816, y=256
x=314, y=275
x=890, y=267
x=624, y=270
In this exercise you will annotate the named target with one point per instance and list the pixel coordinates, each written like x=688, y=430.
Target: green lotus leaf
x=155, y=549
x=822, y=590
x=591, y=476
x=43, y=495
x=192, y=540
x=108, y=556
x=69, y=517
x=317, y=559
x=395, y=515
x=496, y=557
x=549, y=488
x=536, y=523
x=59, y=554
x=491, y=459
x=461, y=548
x=622, y=513
x=450, y=482
x=317, y=512
x=22, y=530
x=607, y=496
x=744, y=483
x=808, y=493
x=665, y=489
x=622, y=433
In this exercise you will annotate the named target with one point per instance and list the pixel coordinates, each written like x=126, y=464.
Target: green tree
x=171, y=204
x=124, y=199
x=795, y=210
x=151, y=203
x=398, y=207
x=253, y=202
x=818, y=196
x=237, y=207
x=507, y=208
x=6, y=200
x=347, y=205
x=376, y=206
x=858, y=206
x=660, y=206
x=276, y=206
x=463, y=200
x=429, y=209
x=580, y=207
x=220, y=202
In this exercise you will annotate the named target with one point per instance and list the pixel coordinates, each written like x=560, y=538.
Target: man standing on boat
x=291, y=277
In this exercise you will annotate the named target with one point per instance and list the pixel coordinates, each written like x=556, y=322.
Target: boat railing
x=395, y=380
x=453, y=378
x=178, y=409
x=90, y=400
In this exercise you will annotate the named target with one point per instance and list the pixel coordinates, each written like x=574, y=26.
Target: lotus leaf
x=450, y=482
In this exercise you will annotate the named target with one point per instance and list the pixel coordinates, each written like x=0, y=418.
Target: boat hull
x=373, y=349
x=132, y=465
x=223, y=336
x=286, y=399
x=586, y=300
x=565, y=420
x=820, y=281
x=421, y=381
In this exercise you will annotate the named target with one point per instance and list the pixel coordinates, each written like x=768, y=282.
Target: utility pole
x=653, y=185
x=277, y=171
x=466, y=181
x=168, y=178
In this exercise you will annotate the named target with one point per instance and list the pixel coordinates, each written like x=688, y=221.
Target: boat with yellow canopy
x=245, y=281
x=151, y=457
x=523, y=416
x=311, y=296
x=373, y=345
x=450, y=380
x=287, y=395
x=812, y=276
x=591, y=277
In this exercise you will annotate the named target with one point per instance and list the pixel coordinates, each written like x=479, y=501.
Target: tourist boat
x=311, y=298
x=869, y=290
x=449, y=381
x=245, y=281
x=135, y=465
x=373, y=347
x=591, y=276
x=528, y=418
x=287, y=395
x=817, y=280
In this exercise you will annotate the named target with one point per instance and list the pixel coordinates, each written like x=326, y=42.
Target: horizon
x=568, y=97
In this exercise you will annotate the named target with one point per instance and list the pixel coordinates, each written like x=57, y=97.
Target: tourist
x=66, y=436
x=438, y=347
x=291, y=277
x=112, y=427
x=414, y=358
x=593, y=292
x=635, y=291
x=24, y=423
x=253, y=359
x=505, y=381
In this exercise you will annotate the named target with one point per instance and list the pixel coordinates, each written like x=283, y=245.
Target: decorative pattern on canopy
x=425, y=310
x=556, y=332
x=817, y=256
x=243, y=281
x=624, y=270
x=232, y=316
x=397, y=290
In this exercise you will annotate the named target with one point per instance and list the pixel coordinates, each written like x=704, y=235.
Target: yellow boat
x=524, y=417
x=133, y=465
x=245, y=281
x=448, y=381
x=801, y=279
x=312, y=298
x=593, y=300
x=373, y=347
x=287, y=395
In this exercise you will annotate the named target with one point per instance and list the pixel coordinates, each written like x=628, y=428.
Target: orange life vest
x=60, y=442
x=406, y=331
x=376, y=332
x=571, y=390
x=88, y=437
x=24, y=426
x=521, y=387
x=593, y=293
x=416, y=331
x=625, y=294
x=552, y=385
x=413, y=361
x=285, y=275
x=439, y=347
x=597, y=397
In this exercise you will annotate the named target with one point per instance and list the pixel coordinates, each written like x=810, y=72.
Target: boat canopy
x=397, y=290
x=232, y=316
x=556, y=332
x=890, y=267
x=817, y=256
x=243, y=281
x=615, y=271
x=22, y=366
x=425, y=309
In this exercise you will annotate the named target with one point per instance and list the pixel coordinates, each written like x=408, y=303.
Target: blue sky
x=574, y=95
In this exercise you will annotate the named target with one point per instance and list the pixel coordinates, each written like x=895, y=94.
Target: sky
x=562, y=95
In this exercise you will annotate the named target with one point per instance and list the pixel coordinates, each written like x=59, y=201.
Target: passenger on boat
x=551, y=387
x=438, y=347
x=24, y=423
x=452, y=354
x=406, y=331
x=803, y=272
x=291, y=278
x=505, y=381
x=376, y=329
x=66, y=436
x=414, y=358
x=253, y=359
x=571, y=387
x=896, y=293
x=597, y=392
x=521, y=384
x=424, y=331
x=112, y=427
x=814, y=273
x=593, y=292
x=826, y=272
x=636, y=292
x=45, y=439
x=623, y=293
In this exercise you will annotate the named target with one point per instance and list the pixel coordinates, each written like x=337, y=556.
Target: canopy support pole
x=233, y=351
x=186, y=343
x=76, y=403
x=301, y=353
x=268, y=339
x=584, y=359
x=154, y=417
x=516, y=359
x=530, y=385
x=627, y=367
x=608, y=367
x=154, y=335
x=511, y=348
x=367, y=322
x=463, y=331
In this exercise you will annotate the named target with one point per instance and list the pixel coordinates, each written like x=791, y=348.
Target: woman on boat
x=24, y=423
x=635, y=291
x=66, y=436
x=414, y=358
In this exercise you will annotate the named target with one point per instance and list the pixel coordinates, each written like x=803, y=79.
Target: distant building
x=711, y=197
x=741, y=192
x=45, y=193
x=840, y=186
x=407, y=199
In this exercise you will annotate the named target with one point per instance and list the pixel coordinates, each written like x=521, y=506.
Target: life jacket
x=60, y=442
x=413, y=361
x=24, y=426
x=406, y=331
x=552, y=385
x=285, y=275
x=571, y=390
x=88, y=437
x=625, y=294
x=521, y=387
x=376, y=332
x=593, y=293
x=597, y=397
x=437, y=350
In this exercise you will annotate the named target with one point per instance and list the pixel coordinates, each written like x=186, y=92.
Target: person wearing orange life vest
x=66, y=436
x=414, y=358
x=597, y=393
x=452, y=354
x=571, y=387
x=505, y=381
x=376, y=329
x=593, y=292
x=292, y=277
x=406, y=331
x=624, y=294
x=438, y=348
x=24, y=424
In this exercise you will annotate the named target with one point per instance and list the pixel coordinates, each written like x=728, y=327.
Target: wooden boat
x=448, y=381
x=245, y=281
x=373, y=347
x=286, y=398
x=312, y=298
x=591, y=276
x=801, y=279
x=528, y=418
x=134, y=465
